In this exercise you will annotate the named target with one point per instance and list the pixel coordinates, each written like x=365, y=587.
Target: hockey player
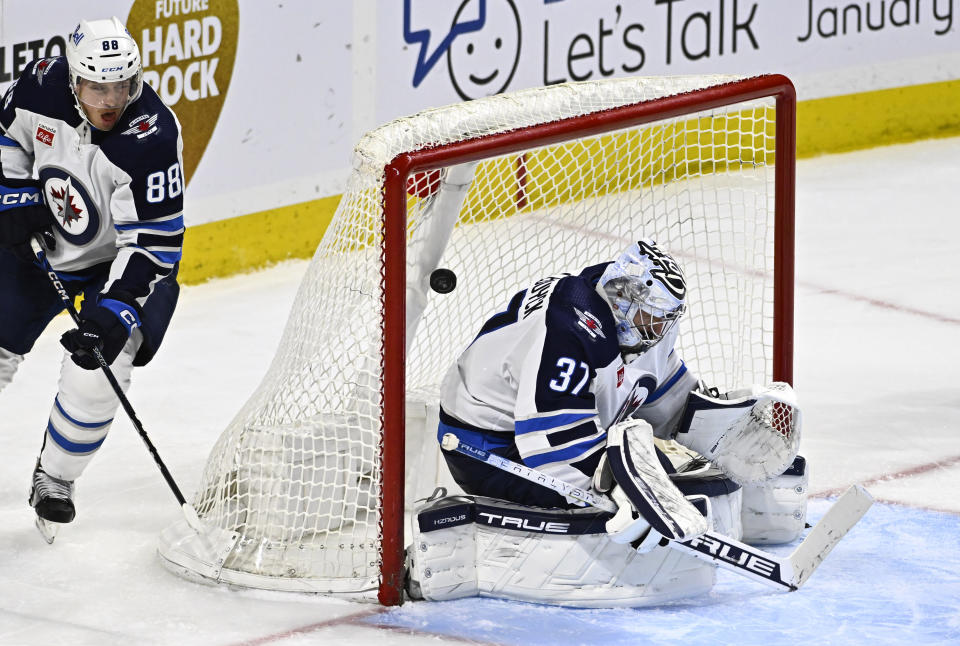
x=91, y=160
x=544, y=379
x=574, y=378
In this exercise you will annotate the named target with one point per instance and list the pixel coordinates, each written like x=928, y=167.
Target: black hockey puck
x=443, y=281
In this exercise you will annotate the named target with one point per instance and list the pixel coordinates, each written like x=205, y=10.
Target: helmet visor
x=650, y=327
x=107, y=95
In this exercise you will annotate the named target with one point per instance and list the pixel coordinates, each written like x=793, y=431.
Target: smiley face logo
x=482, y=63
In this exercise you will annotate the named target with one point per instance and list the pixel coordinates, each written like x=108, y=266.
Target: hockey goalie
x=577, y=378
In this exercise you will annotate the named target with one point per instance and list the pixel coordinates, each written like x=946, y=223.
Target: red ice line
x=897, y=475
x=876, y=302
x=355, y=620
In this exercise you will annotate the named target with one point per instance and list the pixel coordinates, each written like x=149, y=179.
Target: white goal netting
x=298, y=472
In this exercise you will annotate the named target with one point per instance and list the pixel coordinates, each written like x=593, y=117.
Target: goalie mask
x=646, y=290
x=106, y=73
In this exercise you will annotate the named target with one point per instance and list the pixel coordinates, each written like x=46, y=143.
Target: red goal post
x=602, y=163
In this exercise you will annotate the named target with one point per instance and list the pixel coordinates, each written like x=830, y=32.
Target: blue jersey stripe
x=7, y=141
x=553, y=421
x=166, y=225
x=73, y=447
x=167, y=257
x=563, y=455
x=659, y=392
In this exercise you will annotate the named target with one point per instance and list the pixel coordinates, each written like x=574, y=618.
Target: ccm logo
x=524, y=524
x=129, y=318
x=111, y=69
x=58, y=286
x=14, y=199
x=733, y=554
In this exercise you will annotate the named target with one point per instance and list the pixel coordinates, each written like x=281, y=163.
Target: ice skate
x=52, y=498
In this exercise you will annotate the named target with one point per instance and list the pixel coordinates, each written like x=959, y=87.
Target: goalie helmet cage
x=501, y=191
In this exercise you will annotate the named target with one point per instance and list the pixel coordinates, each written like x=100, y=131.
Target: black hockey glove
x=22, y=212
x=105, y=326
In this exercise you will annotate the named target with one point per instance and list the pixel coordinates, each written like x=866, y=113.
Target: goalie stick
x=226, y=539
x=788, y=573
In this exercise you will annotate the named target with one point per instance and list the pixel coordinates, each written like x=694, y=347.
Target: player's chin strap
x=790, y=572
x=224, y=540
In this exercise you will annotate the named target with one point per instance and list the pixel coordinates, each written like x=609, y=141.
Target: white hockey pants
x=82, y=413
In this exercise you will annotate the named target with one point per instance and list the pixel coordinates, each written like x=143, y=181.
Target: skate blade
x=47, y=529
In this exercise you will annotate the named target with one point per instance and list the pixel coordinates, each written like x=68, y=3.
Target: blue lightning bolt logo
x=426, y=62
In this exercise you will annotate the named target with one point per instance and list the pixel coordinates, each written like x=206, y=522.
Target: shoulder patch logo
x=590, y=323
x=145, y=124
x=46, y=133
x=43, y=66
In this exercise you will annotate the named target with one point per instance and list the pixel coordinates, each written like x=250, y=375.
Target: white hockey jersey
x=547, y=375
x=116, y=196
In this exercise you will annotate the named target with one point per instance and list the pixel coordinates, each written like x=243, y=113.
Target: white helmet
x=104, y=53
x=646, y=290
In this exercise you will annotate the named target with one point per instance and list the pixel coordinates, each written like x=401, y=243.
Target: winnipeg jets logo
x=642, y=388
x=76, y=215
x=142, y=126
x=590, y=323
x=65, y=205
x=665, y=269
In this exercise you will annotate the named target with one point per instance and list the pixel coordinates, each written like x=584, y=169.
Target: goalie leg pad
x=775, y=511
x=473, y=546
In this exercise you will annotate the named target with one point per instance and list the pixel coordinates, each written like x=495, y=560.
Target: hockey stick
x=190, y=514
x=790, y=572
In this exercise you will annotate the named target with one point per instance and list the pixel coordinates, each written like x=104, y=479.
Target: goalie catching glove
x=752, y=435
x=646, y=498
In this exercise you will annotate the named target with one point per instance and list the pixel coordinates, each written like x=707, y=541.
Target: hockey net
x=503, y=190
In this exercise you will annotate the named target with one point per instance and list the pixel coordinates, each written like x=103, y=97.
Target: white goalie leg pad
x=639, y=474
x=751, y=436
x=775, y=511
x=473, y=546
